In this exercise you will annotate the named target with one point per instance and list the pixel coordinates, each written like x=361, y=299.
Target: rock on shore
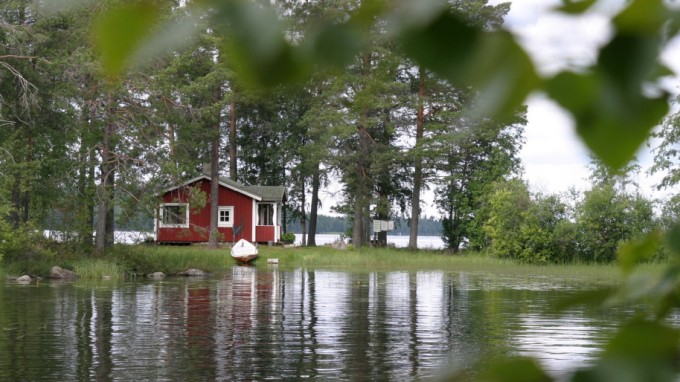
x=192, y=273
x=58, y=272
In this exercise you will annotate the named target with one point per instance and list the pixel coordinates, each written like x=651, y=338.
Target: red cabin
x=253, y=213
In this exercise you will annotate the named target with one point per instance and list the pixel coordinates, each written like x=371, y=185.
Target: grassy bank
x=140, y=260
x=400, y=259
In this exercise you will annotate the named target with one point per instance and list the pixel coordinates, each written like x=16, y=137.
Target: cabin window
x=225, y=216
x=174, y=215
x=266, y=214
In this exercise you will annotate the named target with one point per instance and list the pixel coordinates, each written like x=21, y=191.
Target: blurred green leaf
x=659, y=293
x=514, y=369
x=491, y=62
x=673, y=239
x=368, y=11
x=575, y=92
x=503, y=73
x=169, y=36
x=633, y=252
x=334, y=45
x=612, y=119
x=589, y=297
x=443, y=45
x=258, y=49
x=120, y=31
x=642, y=17
x=612, y=114
x=668, y=292
x=627, y=61
x=576, y=7
x=640, y=351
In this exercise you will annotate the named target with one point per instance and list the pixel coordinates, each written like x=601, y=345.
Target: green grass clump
x=98, y=268
x=144, y=259
x=140, y=260
x=386, y=259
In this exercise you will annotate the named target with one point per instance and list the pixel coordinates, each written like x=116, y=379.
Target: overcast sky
x=554, y=158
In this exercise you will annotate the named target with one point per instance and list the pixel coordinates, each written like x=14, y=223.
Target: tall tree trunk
x=383, y=213
x=84, y=200
x=361, y=195
x=15, y=214
x=361, y=189
x=418, y=166
x=314, y=210
x=110, y=217
x=357, y=229
x=172, y=143
x=26, y=197
x=213, y=238
x=214, y=182
x=303, y=213
x=90, y=196
x=84, y=229
x=105, y=189
x=284, y=220
x=232, y=143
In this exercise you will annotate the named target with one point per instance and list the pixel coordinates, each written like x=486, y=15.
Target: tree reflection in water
x=256, y=323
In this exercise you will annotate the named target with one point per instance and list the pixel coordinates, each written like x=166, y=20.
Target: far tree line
x=340, y=225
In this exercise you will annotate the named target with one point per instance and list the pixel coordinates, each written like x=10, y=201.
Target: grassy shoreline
x=126, y=261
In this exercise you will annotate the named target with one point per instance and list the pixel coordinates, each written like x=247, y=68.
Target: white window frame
x=227, y=224
x=161, y=211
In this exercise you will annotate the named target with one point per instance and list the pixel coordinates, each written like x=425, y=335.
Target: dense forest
x=87, y=147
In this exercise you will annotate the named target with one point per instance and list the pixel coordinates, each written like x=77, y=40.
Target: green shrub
x=25, y=251
x=288, y=238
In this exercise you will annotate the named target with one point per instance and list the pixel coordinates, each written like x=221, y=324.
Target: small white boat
x=243, y=251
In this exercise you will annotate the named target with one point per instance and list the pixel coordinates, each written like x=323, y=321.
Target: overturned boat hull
x=244, y=251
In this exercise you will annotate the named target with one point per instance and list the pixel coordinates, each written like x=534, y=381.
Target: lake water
x=134, y=237
x=424, y=242
x=264, y=323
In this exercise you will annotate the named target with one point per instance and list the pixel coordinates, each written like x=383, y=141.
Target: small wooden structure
x=254, y=213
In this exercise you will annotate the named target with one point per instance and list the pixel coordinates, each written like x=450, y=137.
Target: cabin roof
x=259, y=193
x=269, y=193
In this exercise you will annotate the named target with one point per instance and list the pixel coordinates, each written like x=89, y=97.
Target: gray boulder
x=60, y=273
x=192, y=273
x=156, y=275
x=25, y=279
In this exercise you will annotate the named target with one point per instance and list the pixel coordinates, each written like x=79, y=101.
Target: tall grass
x=143, y=259
x=378, y=259
x=98, y=268
x=140, y=260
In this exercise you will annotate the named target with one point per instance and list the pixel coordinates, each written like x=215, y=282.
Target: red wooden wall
x=265, y=233
x=199, y=219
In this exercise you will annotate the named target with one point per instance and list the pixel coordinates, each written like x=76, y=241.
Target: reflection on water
x=256, y=324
